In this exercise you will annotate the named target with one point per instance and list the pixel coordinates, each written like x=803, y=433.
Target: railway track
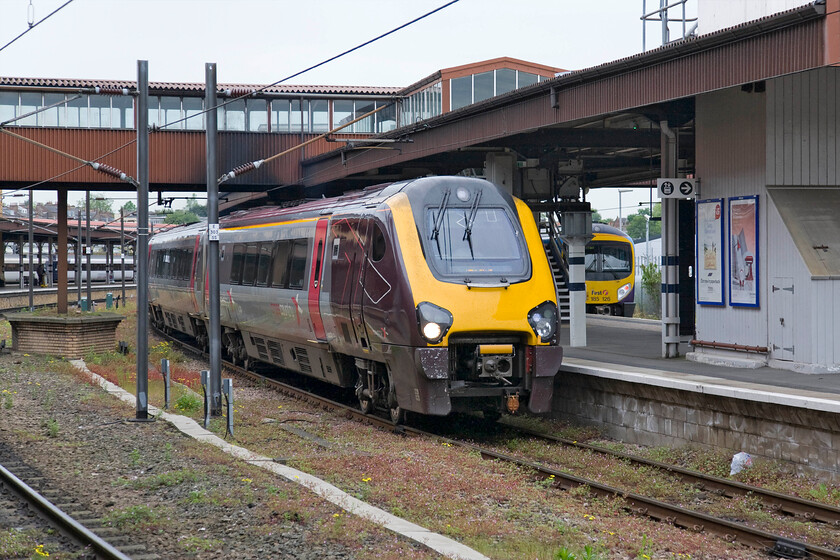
x=638, y=504
x=19, y=501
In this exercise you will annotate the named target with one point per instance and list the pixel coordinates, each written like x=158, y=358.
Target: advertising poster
x=743, y=251
x=710, y=252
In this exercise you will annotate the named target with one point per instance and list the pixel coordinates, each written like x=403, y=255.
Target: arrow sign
x=677, y=187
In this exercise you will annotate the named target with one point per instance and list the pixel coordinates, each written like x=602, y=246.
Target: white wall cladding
x=802, y=128
x=730, y=154
x=803, y=125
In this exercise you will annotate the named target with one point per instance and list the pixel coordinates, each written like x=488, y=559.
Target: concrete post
x=577, y=292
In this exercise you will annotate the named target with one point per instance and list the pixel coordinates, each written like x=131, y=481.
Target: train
x=429, y=296
x=610, y=272
x=100, y=270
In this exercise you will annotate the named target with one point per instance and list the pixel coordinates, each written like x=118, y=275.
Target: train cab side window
x=264, y=264
x=238, y=262
x=280, y=264
x=249, y=272
x=297, y=264
x=377, y=243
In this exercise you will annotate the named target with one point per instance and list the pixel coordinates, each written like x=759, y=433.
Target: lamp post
x=620, y=191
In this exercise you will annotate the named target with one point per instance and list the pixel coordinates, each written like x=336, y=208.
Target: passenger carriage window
x=280, y=264
x=264, y=264
x=249, y=272
x=297, y=264
x=238, y=262
x=377, y=243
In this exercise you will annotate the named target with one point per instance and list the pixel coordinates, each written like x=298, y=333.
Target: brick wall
x=659, y=416
x=71, y=337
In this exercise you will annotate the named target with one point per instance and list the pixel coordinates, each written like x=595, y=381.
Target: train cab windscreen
x=608, y=260
x=478, y=242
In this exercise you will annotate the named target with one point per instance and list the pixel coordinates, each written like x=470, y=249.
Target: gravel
x=178, y=497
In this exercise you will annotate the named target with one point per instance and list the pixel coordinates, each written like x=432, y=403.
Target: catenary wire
x=36, y=24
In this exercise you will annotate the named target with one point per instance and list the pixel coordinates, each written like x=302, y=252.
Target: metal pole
x=79, y=259
x=215, y=333
x=142, y=251
x=122, y=251
x=88, y=249
x=663, y=15
x=31, y=242
x=21, y=276
x=644, y=24
x=670, y=250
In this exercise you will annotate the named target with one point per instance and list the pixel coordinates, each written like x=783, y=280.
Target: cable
x=314, y=66
x=34, y=25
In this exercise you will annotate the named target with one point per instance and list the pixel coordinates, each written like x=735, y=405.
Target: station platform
x=631, y=349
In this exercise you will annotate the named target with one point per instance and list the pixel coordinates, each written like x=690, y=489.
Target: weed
x=167, y=452
x=645, y=551
x=821, y=493
x=139, y=517
x=168, y=479
x=564, y=554
x=134, y=457
x=16, y=543
x=49, y=398
x=8, y=399
x=188, y=403
x=194, y=545
x=52, y=427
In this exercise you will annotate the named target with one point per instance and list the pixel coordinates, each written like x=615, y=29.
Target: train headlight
x=623, y=291
x=543, y=319
x=434, y=321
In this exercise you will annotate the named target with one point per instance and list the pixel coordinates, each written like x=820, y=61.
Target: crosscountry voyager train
x=432, y=295
x=610, y=272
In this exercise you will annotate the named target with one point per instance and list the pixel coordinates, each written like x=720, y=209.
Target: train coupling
x=512, y=403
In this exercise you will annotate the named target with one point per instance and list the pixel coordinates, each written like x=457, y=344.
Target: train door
x=346, y=257
x=315, y=274
x=358, y=291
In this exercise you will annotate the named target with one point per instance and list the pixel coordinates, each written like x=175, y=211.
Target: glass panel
x=280, y=264
x=50, y=116
x=235, y=115
x=280, y=115
x=170, y=111
x=236, y=263
x=100, y=111
x=193, y=107
x=8, y=105
x=492, y=246
x=122, y=112
x=608, y=260
x=264, y=264
x=342, y=114
x=526, y=79
x=249, y=274
x=365, y=125
x=28, y=103
x=319, y=117
x=386, y=119
x=483, y=84
x=257, y=115
x=299, y=116
x=505, y=80
x=460, y=92
x=154, y=107
x=297, y=266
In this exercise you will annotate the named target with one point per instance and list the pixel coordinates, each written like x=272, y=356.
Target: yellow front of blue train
x=476, y=323
x=610, y=272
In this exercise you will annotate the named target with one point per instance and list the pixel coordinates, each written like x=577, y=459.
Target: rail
x=730, y=346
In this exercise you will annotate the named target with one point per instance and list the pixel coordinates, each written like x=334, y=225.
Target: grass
x=140, y=517
x=17, y=543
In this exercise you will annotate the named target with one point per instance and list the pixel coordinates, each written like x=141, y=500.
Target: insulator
x=111, y=90
x=239, y=92
x=107, y=169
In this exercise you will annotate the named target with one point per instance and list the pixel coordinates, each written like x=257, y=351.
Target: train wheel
x=366, y=405
x=397, y=415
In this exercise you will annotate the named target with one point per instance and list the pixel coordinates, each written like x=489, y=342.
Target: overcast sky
x=263, y=41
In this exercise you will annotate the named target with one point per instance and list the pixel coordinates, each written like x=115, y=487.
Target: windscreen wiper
x=470, y=221
x=439, y=220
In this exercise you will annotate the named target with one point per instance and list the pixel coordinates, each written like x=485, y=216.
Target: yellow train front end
x=484, y=297
x=610, y=272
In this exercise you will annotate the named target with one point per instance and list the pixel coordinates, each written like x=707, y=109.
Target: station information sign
x=676, y=187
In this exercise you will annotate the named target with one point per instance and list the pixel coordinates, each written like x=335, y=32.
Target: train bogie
x=430, y=295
